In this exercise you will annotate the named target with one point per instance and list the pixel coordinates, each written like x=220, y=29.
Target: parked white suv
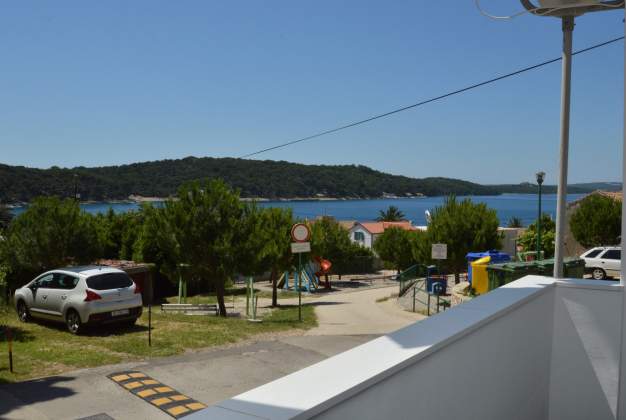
x=603, y=261
x=80, y=296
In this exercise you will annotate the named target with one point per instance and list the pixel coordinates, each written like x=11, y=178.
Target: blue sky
x=100, y=83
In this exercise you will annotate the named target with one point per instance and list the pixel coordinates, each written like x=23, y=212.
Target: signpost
x=438, y=252
x=300, y=235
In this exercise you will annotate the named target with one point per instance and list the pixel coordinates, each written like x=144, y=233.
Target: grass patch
x=234, y=293
x=282, y=294
x=43, y=349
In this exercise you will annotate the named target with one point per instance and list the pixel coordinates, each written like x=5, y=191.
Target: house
x=572, y=247
x=366, y=233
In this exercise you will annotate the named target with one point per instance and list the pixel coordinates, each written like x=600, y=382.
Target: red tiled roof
x=379, y=227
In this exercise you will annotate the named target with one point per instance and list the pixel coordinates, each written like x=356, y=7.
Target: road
x=345, y=321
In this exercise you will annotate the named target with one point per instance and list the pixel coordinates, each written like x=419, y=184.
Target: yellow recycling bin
x=480, y=280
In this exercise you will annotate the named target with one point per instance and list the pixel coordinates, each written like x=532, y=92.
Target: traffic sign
x=300, y=232
x=439, y=252
x=300, y=247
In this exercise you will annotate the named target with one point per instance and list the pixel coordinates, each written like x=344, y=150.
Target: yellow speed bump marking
x=133, y=385
x=178, y=410
x=146, y=393
x=195, y=406
x=161, y=401
x=156, y=393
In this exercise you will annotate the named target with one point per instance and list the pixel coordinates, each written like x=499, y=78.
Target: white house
x=366, y=233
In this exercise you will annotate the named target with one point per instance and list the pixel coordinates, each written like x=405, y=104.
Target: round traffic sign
x=300, y=232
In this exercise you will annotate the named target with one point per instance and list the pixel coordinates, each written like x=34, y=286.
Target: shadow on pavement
x=31, y=392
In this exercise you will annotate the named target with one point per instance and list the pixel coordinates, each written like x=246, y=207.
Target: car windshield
x=109, y=281
x=593, y=253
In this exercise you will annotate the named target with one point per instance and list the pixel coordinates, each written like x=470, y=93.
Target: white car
x=80, y=296
x=603, y=261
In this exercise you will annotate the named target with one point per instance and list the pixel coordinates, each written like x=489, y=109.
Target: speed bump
x=156, y=393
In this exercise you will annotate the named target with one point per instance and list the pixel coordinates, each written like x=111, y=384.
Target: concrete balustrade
x=534, y=349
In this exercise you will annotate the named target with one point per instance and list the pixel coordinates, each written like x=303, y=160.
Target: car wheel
x=598, y=274
x=22, y=311
x=72, y=320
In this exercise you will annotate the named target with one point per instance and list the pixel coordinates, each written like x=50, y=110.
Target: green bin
x=501, y=274
x=574, y=268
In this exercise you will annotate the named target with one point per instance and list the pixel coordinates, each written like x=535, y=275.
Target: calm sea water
x=523, y=206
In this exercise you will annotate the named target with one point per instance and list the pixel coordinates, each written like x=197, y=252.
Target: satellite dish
x=429, y=217
x=561, y=8
x=558, y=8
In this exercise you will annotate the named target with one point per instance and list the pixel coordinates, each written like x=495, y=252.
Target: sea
x=522, y=206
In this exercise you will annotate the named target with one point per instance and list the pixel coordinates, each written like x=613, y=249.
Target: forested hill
x=268, y=179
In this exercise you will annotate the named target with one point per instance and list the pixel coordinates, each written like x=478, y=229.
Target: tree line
x=254, y=178
x=207, y=230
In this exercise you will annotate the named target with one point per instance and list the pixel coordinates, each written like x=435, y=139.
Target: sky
x=114, y=82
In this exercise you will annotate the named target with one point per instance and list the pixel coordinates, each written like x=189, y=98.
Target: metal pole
x=568, y=28
x=621, y=384
x=299, y=288
x=149, y=325
x=539, y=226
x=10, y=343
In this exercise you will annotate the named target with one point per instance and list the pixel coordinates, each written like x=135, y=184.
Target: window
x=359, y=236
x=66, y=282
x=612, y=254
x=109, y=281
x=593, y=253
x=46, y=282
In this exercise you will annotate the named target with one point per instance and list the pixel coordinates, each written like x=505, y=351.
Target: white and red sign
x=300, y=233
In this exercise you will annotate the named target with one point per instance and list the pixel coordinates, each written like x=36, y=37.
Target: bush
x=597, y=221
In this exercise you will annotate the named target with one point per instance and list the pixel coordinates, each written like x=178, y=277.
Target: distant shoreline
x=135, y=199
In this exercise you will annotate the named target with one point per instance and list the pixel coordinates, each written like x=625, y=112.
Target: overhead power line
x=427, y=101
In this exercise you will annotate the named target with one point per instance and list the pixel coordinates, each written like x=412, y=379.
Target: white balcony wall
x=534, y=349
x=585, y=351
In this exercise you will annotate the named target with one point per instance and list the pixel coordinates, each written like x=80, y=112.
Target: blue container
x=497, y=257
x=435, y=285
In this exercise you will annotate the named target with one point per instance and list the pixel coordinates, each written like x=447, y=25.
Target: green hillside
x=255, y=178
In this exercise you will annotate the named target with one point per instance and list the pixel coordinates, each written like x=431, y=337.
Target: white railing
x=533, y=349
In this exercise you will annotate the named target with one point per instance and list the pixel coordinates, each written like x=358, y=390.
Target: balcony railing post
x=621, y=395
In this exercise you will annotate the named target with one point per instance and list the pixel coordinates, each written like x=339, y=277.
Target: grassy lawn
x=43, y=349
x=237, y=294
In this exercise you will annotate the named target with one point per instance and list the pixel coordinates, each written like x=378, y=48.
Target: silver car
x=80, y=296
x=603, y=261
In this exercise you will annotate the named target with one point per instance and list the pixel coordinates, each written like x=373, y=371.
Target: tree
x=5, y=217
x=118, y=233
x=597, y=221
x=465, y=227
x=515, y=222
x=528, y=240
x=51, y=233
x=202, y=226
x=395, y=246
x=331, y=241
x=392, y=214
x=265, y=243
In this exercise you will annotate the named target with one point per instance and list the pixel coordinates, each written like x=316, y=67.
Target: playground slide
x=311, y=274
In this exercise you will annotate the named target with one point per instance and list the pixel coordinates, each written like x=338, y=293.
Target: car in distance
x=80, y=296
x=603, y=261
